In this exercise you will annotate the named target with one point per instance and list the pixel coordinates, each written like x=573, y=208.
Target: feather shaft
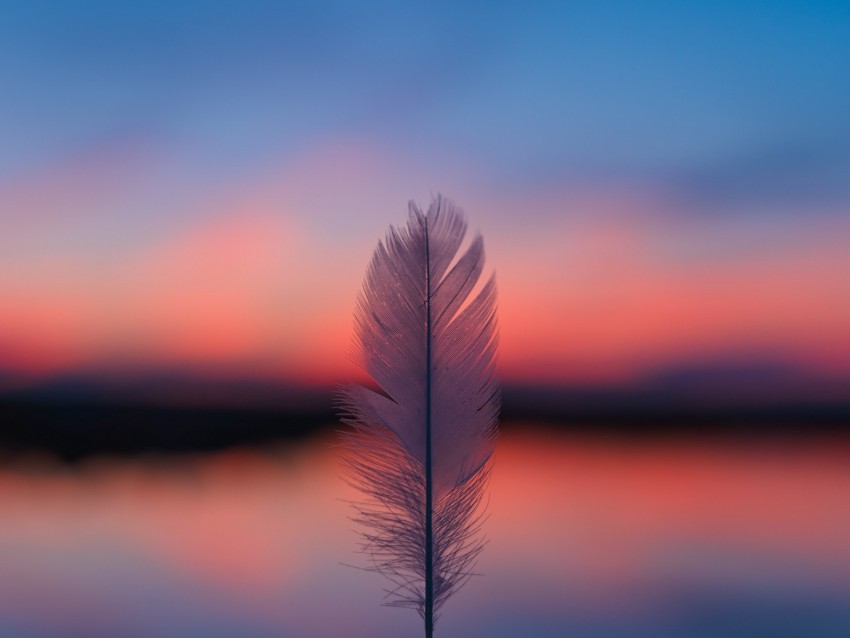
x=429, y=478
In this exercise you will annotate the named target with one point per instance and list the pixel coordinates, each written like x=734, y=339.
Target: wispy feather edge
x=431, y=351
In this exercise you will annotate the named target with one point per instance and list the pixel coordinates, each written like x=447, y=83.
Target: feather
x=419, y=444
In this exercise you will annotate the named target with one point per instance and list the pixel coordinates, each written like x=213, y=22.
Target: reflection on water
x=588, y=537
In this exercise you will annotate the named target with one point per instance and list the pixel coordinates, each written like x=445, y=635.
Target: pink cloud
x=594, y=285
x=78, y=185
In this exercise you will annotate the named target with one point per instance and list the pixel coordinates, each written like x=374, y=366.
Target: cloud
x=77, y=183
x=789, y=177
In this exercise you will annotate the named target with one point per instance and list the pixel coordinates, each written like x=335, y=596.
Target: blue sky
x=660, y=90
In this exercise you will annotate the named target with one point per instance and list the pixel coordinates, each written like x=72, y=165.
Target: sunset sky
x=197, y=187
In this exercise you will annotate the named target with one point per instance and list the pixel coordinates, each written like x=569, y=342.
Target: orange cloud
x=605, y=298
x=594, y=285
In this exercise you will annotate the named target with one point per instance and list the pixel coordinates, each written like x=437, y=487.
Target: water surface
x=589, y=536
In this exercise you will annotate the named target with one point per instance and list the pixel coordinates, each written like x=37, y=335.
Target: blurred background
x=190, y=193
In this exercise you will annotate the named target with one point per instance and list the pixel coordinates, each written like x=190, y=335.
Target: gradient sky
x=198, y=186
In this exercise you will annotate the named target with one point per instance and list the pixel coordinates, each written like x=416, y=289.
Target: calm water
x=588, y=537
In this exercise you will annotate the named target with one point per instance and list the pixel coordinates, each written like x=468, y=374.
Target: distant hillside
x=74, y=417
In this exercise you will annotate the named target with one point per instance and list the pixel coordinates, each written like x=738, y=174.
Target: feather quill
x=419, y=444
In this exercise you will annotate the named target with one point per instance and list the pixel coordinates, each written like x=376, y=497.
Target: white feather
x=419, y=445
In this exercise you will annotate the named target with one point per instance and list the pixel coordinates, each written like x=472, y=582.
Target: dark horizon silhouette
x=74, y=417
